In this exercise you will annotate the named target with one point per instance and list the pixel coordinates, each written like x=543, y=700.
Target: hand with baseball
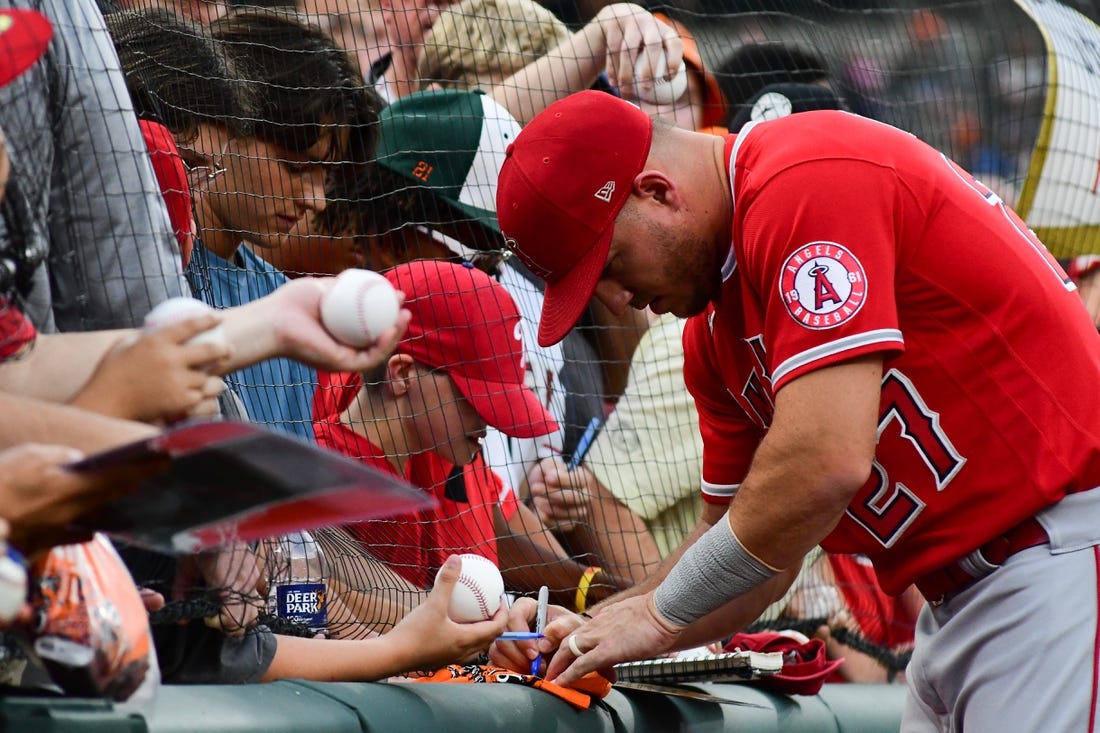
x=428, y=638
x=288, y=323
x=634, y=40
x=159, y=375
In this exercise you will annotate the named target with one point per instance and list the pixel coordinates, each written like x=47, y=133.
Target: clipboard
x=209, y=483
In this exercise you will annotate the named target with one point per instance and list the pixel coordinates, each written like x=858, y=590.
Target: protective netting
x=305, y=155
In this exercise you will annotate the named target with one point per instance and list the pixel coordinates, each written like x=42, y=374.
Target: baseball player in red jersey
x=886, y=361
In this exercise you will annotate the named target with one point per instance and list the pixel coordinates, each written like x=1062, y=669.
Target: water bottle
x=296, y=588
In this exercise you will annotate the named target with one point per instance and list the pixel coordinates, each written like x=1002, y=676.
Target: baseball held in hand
x=175, y=310
x=650, y=85
x=478, y=591
x=359, y=306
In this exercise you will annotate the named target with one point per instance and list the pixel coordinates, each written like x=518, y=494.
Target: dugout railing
x=292, y=706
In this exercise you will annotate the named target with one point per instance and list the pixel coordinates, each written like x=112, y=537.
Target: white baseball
x=478, y=592
x=652, y=86
x=359, y=306
x=175, y=310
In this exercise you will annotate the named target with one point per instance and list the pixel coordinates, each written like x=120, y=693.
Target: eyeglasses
x=199, y=172
x=199, y=167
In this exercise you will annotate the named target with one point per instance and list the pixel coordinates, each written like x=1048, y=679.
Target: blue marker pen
x=584, y=444
x=540, y=623
x=519, y=636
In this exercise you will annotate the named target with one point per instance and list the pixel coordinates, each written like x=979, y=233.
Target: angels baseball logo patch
x=822, y=285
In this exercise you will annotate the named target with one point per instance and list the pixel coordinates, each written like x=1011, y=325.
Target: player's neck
x=722, y=194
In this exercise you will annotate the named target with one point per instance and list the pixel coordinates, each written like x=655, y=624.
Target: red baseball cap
x=172, y=179
x=465, y=323
x=24, y=36
x=564, y=180
x=806, y=666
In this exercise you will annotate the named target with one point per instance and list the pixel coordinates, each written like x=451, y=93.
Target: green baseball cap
x=451, y=143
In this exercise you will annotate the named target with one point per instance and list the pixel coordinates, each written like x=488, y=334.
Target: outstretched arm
x=814, y=459
x=147, y=376
x=611, y=41
x=288, y=323
x=425, y=639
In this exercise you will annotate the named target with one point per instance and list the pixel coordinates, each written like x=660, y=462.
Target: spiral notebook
x=736, y=666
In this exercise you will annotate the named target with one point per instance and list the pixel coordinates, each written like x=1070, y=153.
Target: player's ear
x=655, y=185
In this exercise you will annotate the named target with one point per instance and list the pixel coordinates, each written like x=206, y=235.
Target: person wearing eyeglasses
x=267, y=113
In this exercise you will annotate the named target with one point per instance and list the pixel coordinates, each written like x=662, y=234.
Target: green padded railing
x=293, y=706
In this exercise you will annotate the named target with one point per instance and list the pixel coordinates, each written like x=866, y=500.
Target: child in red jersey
x=423, y=413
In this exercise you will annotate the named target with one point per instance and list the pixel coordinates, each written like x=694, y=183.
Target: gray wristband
x=713, y=571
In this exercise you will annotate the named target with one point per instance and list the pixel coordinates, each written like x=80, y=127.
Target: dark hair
x=306, y=85
x=756, y=65
x=176, y=74
x=382, y=201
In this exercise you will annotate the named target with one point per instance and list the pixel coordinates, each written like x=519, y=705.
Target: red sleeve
x=16, y=332
x=825, y=274
x=729, y=437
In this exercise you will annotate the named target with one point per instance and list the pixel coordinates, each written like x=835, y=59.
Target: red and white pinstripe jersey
x=851, y=237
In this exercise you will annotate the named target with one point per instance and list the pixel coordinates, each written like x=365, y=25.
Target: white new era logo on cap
x=604, y=194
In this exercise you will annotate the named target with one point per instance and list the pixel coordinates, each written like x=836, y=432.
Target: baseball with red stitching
x=654, y=85
x=179, y=309
x=358, y=307
x=478, y=592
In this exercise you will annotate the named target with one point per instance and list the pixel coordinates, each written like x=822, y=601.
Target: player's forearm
x=711, y=514
x=815, y=457
x=738, y=613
